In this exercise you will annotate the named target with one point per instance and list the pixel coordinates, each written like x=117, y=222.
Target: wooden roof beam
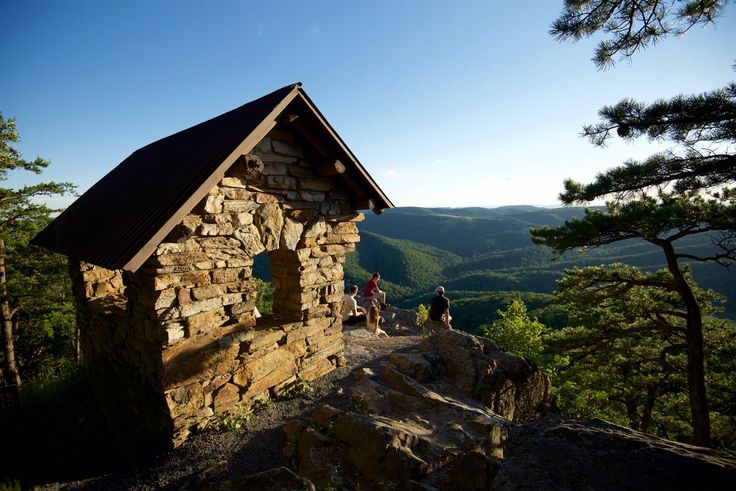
x=367, y=204
x=288, y=118
x=330, y=168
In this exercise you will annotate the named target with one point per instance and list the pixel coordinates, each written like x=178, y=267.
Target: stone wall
x=121, y=354
x=189, y=319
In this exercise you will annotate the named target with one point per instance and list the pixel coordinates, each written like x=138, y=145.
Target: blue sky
x=453, y=103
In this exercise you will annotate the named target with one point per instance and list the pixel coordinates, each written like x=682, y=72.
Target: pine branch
x=632, y=25
x=634, y=178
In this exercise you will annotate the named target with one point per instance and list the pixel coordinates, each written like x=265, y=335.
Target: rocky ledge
x=458, y=412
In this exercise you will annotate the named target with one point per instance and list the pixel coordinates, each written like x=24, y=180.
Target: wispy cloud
x=315, y=30
x=437, y=161
x=392, y=173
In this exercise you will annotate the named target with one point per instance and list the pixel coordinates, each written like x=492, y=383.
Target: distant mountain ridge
x=484, y=257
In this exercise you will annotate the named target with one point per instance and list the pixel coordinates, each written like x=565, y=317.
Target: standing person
x=439, y=308
x=372, y=292
x=351, y=313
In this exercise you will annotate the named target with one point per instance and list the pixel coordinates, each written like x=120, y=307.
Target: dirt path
x=255, y=447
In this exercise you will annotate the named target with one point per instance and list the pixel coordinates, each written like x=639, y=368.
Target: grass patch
x=68, y=385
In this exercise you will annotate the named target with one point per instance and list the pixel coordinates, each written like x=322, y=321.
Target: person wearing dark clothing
x=439, y=308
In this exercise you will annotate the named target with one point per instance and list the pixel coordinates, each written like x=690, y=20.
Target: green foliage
x=35, y=292
x=720, y=354
x=640, y=381
x=422, y=314
x=10, y=485
x=264, y=296
x=69, y=384
x=10, y=159
x=516, y=332
x=266, y=402
x=229, y=421
x=301, y=388
x=422, y=317
x=623, y=356
x=661, y=221
x=40, y=290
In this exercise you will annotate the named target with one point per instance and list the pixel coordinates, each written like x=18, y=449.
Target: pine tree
x=20, y=215
x=671, y=195
x=623, y=355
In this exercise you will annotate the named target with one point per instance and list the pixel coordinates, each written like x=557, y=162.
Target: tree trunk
x=77, y=350
x=11, y=369
x=632, y=413
x=646, y=412
x=695, y=358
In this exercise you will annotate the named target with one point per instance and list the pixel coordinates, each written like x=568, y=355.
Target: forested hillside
x=484, y=258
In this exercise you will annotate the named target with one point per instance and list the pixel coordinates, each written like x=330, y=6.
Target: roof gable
x=121, y=219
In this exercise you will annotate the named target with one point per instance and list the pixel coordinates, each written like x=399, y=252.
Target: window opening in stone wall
x=263, y=281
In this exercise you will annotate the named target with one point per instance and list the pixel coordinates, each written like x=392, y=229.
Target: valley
x=485, y=257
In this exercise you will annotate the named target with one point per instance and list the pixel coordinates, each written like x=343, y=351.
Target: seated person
x=439, y=308
x=374, y=319
x=351, y=313
x=372, y=292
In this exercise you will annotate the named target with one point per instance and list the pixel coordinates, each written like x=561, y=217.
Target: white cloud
x=391, y=173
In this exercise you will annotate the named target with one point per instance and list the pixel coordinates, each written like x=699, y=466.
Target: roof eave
x=354, y=160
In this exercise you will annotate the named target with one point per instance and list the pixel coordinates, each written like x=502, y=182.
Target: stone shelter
x=161, y=256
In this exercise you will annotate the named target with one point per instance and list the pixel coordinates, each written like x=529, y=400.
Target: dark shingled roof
x=119, y=221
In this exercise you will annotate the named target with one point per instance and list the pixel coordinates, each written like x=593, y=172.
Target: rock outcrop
x=457, y=412
x=507, y=384
x=415, y=422
x=553, y=453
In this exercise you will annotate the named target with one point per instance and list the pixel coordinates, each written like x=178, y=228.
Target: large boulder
x=416, y=423
x=508, y=384
x=553, y=453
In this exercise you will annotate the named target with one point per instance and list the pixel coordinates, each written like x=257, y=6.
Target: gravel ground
x=255, y=447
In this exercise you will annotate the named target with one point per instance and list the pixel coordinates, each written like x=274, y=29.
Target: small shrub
x=517, y=332
x=260, y=403
x=422, y=314
x=229, y=421
x=299, y=389
x=426, y=333
x=10, y=486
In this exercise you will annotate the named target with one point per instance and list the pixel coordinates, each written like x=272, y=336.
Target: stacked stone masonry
x=182, y=330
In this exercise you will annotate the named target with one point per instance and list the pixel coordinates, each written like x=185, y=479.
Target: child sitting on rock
x=374, y=319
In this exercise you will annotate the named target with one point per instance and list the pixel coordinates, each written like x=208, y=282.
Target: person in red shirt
x=372, y=292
